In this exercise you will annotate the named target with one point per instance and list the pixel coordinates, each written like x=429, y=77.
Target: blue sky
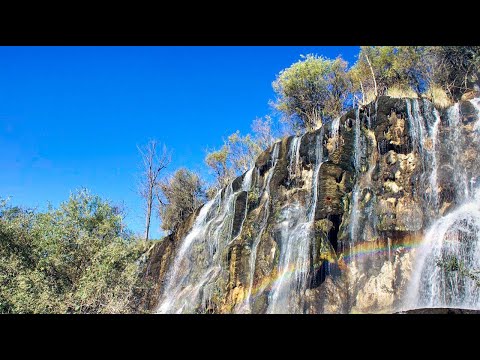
x=71, y=117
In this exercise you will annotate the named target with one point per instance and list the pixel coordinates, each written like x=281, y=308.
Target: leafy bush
x=74, y=259
x=311, y=89
x=179, y=196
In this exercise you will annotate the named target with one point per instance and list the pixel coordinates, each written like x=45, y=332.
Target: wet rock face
x=374, y=199
x=155, y=270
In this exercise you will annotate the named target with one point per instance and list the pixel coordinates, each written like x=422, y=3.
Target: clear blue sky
x=71, y=117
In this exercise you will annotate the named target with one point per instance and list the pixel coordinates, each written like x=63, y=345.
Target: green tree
x=380, y=68
x=455, y=69
x=217, y=161
x=451, y=264
x=310, y=89
x=238, y=153
x=178, y=198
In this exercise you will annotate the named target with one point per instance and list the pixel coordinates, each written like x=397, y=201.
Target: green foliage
x=179, y=197
x=451, y=263
x=311, y=89
x=77, y=258
x=455, y=69
x=217, y=161
x=381, y=67
x=238, y=153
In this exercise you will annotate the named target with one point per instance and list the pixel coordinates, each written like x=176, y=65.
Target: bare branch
x=153, y=165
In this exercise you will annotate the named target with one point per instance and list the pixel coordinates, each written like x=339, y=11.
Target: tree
x=238, y=153
x=153, y=164
x=178, y=198
x=263, y=134
x=310, y=89
x=380, y=68
x=242, y=152
x=77, y=258
x=453, y=68
x=217, y=160
x=339, y=88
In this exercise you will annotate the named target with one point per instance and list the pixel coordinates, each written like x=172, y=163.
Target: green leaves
x=75, y=258
x=238, y=152
x=311, y=89
x=179, y=196
x=451, y=263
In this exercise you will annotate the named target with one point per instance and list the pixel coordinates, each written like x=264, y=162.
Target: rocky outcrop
x=375, y=196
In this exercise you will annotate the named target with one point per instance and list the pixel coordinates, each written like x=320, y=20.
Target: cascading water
x=476, y=104
x=246, y=306
x=459, y=174
x=455, y=236
x=335, y=130
x=296, y=232
x=433, y=178
x=423, y=131
x=294, y=156
x=423, y=165
x=199, y=263
x=355, y=213
x=450, y=250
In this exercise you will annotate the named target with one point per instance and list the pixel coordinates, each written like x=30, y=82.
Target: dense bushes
x=179, y=196
x=77, y=258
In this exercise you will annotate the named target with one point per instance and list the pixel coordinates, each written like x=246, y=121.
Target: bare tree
x=264, y=135
x=152, y=165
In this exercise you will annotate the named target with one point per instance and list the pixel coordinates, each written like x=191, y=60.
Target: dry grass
x=401, y=92
x=438, y=97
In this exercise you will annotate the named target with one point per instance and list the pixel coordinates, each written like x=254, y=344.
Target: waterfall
x=450, y=251
x=456, y=234
x=416, y=126
x=456, y=142
x=355, y=212
x=335, y=130
x=433, y=179
x=424, y=166
x=294, y=156
x=246, y=306
x=476, y=104
x=296, y=231
x=199, y=263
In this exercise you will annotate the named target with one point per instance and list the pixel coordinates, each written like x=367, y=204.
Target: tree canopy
x=310, y=89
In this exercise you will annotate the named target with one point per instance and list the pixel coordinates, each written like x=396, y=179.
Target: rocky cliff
x=327, y=222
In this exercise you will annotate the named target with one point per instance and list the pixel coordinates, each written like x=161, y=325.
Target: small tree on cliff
x=152, y=165
x=238, y=153
x=455, y=69
x=383, y=68
x=310, y=89
x=217, y=161
x=178, y=197
x=263, y=133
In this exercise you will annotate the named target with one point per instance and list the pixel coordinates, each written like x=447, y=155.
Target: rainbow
x=377, y=247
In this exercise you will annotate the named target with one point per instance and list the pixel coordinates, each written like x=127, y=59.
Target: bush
x=77, y=258
x=179, y=197
x=311, y=89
